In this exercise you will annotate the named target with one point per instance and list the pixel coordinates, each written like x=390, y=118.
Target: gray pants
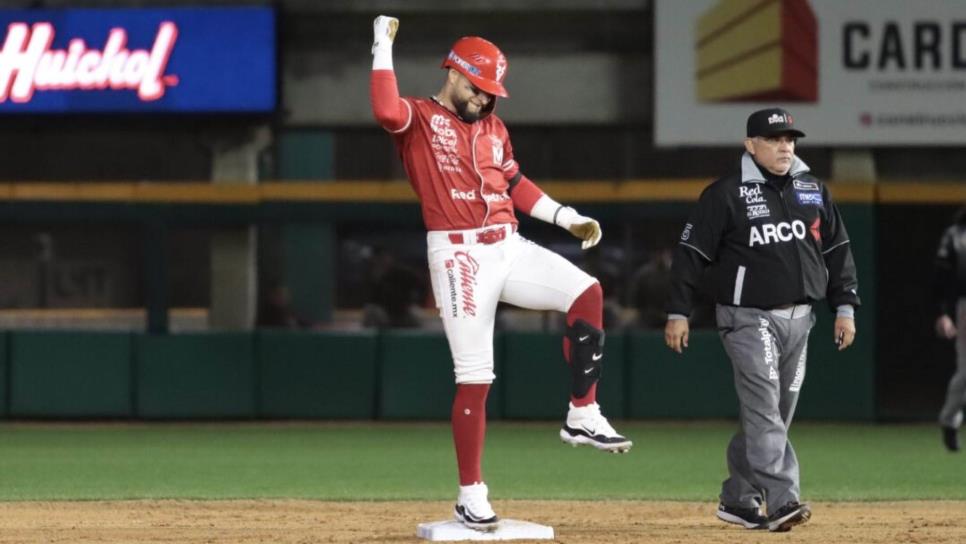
x=951, y=414
x=767, y=351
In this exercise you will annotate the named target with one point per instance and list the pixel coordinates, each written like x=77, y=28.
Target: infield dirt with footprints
x=574, y=522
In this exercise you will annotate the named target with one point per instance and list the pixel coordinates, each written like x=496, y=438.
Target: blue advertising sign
x=192, y=60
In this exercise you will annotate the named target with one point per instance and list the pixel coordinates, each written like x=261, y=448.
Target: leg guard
x=586, y=354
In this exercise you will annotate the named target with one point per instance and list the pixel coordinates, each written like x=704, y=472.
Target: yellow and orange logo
x=757, y=50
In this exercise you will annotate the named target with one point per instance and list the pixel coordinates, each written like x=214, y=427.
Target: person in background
x=275, y=310
x=950, y=289
x=649, y=288
x=395, y=291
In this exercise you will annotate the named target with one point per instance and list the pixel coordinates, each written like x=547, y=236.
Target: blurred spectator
x=950, y=289
x=275, y=310
x=394, y=291
x=608, y=273
x=649, y=288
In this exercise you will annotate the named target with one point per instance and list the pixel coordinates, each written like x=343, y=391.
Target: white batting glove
x=383, y=32
x=585, y=228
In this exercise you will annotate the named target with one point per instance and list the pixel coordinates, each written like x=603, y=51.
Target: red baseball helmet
x=481, y=62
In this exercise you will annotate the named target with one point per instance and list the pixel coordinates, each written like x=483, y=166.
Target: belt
x=792, y=311
x=485, y=236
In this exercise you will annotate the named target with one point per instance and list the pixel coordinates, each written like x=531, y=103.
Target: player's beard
x=462, y=108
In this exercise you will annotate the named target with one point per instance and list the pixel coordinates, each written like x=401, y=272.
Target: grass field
x=410, y=461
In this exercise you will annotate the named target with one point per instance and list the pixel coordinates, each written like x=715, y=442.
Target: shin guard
x=586, y=354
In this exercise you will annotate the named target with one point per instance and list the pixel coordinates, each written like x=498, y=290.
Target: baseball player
x=459, y=160
x=951, y=323
x=776, y=244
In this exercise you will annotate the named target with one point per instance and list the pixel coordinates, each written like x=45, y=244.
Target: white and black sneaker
x=473, y=508
x=586, y=425
x=749, y=518
x=788, y=516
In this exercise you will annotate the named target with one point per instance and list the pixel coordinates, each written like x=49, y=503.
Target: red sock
x=469, y=428
x=589, y=306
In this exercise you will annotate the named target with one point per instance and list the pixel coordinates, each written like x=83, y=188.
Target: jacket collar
x=751, y=174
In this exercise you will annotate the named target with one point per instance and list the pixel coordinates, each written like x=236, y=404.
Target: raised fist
x=383, y=31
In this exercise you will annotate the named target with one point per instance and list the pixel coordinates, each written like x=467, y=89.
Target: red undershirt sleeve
x=391, y=112
x=525, y=194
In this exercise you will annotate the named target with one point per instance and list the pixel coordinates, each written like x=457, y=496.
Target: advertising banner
x=856, y=72
x=192, y=60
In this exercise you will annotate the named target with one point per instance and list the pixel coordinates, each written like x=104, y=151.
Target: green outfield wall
x=53, y=374
x=301, y=375
x=394, y=375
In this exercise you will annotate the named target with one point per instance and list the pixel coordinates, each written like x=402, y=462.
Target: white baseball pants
x=473, y=270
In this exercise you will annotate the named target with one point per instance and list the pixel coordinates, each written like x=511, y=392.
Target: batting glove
x=588, y=231
x=585, y=228
x=384, y=32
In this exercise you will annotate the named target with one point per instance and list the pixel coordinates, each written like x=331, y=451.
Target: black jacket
x=768, y=245
x=951, y=267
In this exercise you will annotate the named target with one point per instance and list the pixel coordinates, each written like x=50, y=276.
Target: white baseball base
x=509, y=529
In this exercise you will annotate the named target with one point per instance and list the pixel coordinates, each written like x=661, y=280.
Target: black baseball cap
x=771, y=122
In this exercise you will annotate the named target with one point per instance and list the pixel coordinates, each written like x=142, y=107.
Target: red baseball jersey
x=459, y=170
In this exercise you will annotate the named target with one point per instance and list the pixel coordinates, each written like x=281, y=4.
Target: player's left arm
x=842, y=291
x=531, y=200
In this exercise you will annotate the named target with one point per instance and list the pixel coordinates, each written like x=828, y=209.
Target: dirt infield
x=303, y=522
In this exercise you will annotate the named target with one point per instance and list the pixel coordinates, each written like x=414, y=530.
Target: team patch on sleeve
x=809, y=198
x=805, y=185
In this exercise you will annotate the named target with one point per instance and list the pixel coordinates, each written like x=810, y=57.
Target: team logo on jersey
x=497, y=150
x=816, y=229
x=752, y=195
x=443, y=143
x=809, y=199
x=757, y=211
x=687, y=232
x=762, y=235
